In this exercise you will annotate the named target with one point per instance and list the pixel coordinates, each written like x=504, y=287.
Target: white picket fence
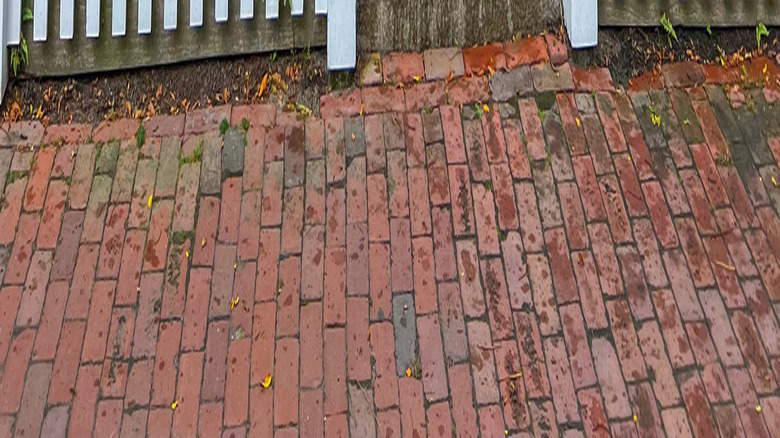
x=59, y=30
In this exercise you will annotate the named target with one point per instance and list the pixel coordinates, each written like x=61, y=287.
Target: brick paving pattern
x=521, y=251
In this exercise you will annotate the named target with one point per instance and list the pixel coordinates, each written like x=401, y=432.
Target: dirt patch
x=631, y=51
x=172, y=89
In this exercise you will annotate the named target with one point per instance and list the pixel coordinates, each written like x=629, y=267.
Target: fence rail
x=66, y=37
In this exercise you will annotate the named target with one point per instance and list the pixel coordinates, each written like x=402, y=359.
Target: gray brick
x=508, y=84
x=211, y=171
x=106, y=161
x=404, y=322
x=233, y=152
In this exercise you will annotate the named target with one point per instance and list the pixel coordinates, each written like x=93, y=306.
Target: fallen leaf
x=234, y=302
x=267, y=381
x=149, y=202
x=263, y=85
x=408, y=372
x=174, y=405
x=203, y=242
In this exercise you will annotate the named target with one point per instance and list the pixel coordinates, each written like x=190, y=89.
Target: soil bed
x=631, y=51
x=296, y=80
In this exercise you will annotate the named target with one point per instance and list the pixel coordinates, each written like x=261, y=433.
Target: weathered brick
x=12, y=383
x=196, y=311
x=268, y=254
x=625, y=340
x=335, y=291
x=636, y=287
x=419, y=202
x=544, y=300
x=657, y=361
x=694, y=253
x=564, y=398
x=440, y=63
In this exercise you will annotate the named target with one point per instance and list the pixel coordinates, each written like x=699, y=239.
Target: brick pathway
x=573, y=262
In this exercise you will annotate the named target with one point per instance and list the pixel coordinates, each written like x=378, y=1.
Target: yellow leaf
x=408, y=372
x=173, y=405
x=361, y=108
x=263, y=85
x=234, y=302
x=758, y=408
x=764, y=68
x=149, y=202
x=267, y=381
x=486, y=108
x=578, y=121
x=353, y=137
x=186, y=254
x=235, y=265
x=634, y=418
x=203, y=242
x=629, y=158
x=416, y=78
x=774, y=181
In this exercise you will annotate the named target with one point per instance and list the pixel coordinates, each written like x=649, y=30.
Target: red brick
x=401, y=255
x=604, y=253
x=484, y=213
x=698, y=201
x=267, y=264
x=231, y=210
x=222, y=280
x=206, y=231
x=649, y=254
x=425, y=95
x=424, y=282
x=263, y=335
x=563, y=276
x=271, y=213
x=481, y=59
x=720, y=328
x=412, y=410
x=207, y=119
x=659, y=214
x=709, y=125
x=544, y=301
x=462, y=214
x=557, y=49
x=658, y=363
x=22, y=251
x=485, y=381
x=767, y=265
x=530, y=225
x=274, y=144
x=497, y=299
x=625, y=340
x=375, y=143
x=612, y=385
x=463, y=413
x=715, y=383
x=593, y=416
x=432, y=358
x=185, y=417
x=563, y=394
x=468, y=90
x=764, y=318
x=139, y=384
x=531, y=50
x=144, y=341
x=518, y=284
x=292, y=222
x=383, y=354
x=453, y=134
x=753, y=352
x=312, y=262
x=382, y=99
x=356, y=191
x=98, y=322
x=475, y=150
x=114, y=379
x=248, y=230
x=312, y=420
x=695, y=253
x=402, y=67
x=253, y=160
x=377, y=208
x=668, y=317
x=698, y=408
x=259, y=116
x=573, y=216
x=636, y=287
x=244, y=286
x=470, y=286
x=210, y=419
x=596, y=79
x=216, y=361
x=335, y=286
x=85, y=398
x=379, y=280
x=419, y=202
x=143, y=189
x=51, y=218
x=311, y=345
x=39, y=178
x=9, y=303
x=83, y=278
x=397, y=184
x=586, y=182
x=261, y=411
x=335, y=385
x=12, y=383
x=574, y=332
x=710, y=178
x=358, y=363
x=315, y=192
x=439, y=419
x=288, y=296
x=590, y=292
x=570, y=118
x=701, y=344
x=166, y=358
x=452, y=320
x=442, y=245
x=157, y=239
x=109, y=417
x=516, y=149
x=648, y=420
x=124, y=177
x=725, y=276
x=345, y=103
x=196, y=312
x=237, y=383
x=505, y=197
x=440, y=63
x=531, y=356
x=491, y=422
x=113, y=241
x=336, y=219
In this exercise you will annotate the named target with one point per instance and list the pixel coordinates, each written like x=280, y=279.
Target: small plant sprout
x=223, y=127
x=670, y=33
x=245, y=124
x=709, y=31
x=761, y=31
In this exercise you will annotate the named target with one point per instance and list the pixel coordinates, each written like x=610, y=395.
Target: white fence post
x=3, y=50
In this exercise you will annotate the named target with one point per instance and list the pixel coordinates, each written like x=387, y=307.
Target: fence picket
x=93, y=18
x=247, y=9
x=66, y=19
x=321, y=7
x=119, y=18
x=196, y=13
x=144, y=17
x=3, y=51
x=271, y=9
x=40, y=20
x=297, y=7
x=170, y=14
x=342, y=34
x=221, y=11
x=14, y=22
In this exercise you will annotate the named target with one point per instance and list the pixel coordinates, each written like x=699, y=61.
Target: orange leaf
x=263, y=85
